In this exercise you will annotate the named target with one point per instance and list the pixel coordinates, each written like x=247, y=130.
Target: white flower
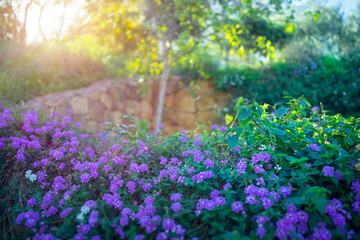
x=278, y=168
x=30, y=176
x=85, y=210
x=262, y=147
x=80, y=217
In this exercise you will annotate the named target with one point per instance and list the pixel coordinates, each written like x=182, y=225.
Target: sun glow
x=53, y=21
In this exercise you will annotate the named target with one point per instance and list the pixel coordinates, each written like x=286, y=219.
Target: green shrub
x=29, y=72
x=333, y=82
x=281, y=175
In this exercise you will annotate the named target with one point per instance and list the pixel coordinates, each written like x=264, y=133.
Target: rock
x=186, y=119
x=183, y=103
x=205, y=102
x=133, y=107
x=206, y=117
x=107, y=100
x=168, y=117
x=146, y=110
x=97, y=111
x=93, y=126
x=79, y=105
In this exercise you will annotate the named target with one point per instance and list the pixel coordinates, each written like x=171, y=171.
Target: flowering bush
x=281, y=175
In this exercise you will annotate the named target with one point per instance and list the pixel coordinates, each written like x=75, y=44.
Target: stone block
x=186, y=120
x=97, y=111
x=205, y=102
x=107, y=100
x=131, y=92
x=133, y=107
x=168, y=118
x=206, y=117
x=79, y=105
x=183, y=102
x=146, y=110
x=93, y=126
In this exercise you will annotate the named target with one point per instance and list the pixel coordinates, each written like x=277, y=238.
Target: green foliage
x=291, y=151
x=333, y=82
x=28, y=72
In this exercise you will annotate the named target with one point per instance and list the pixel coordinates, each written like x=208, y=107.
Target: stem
x=164, y=79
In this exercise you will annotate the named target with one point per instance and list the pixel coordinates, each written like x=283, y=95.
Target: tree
x=9, y=23
x=174, y=28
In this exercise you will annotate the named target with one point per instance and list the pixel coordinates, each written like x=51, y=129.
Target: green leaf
x=279, y=132
x=282, y=111
x=327, y=130
x=335, y=180
x=320, y=204
x=297, y=201
x=244, y=114
x=319, y=162
x=233, y=141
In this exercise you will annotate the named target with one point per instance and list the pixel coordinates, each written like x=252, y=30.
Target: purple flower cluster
x=263, y=195
x=293, y=221
x=241, y=166
x=30, y=218
x=209, y=163
x=314, y=147
x=175, y=197
x=336, y=211
x=113, y=200
x=261, y=231
x=64, y=213
x=260, y=157
x=238, y=207
x=201, y=176
x=328, y=171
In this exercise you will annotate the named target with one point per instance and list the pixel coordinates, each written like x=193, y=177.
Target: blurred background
x=255, y=49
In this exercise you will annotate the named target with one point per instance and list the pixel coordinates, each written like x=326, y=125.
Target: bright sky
x=52, y=14
x=51, y=19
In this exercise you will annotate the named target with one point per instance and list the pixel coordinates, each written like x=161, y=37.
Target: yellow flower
x=358, y=167
x=358, y=147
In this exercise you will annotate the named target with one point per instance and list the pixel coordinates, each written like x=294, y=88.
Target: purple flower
x=223, y=129
x=262, y=156
x=285, y=191
x=31, y=202
x=168, y=224
x=85, y=177
x=241, y=166
x=328, y=171
x=176, y=206
x=190, y=170
x=308, y=165
x=260, y=181
x=226, y=186
x=161, y=236
x=214, y=127
x=314, y=147
x=238, y=207
x=175, y=196
x=314, y=109
x=93, y=218
x=139, y=237
x=209, y=163
x=85, y=229
x=131, y=187
x=214, y=194
x=143, y=168
x=149, y=200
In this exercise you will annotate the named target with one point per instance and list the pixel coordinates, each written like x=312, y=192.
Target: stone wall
x=107, y=100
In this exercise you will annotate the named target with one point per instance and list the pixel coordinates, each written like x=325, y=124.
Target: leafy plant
x=275, y=172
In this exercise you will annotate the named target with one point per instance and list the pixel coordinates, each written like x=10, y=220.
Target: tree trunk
x=164, y=78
